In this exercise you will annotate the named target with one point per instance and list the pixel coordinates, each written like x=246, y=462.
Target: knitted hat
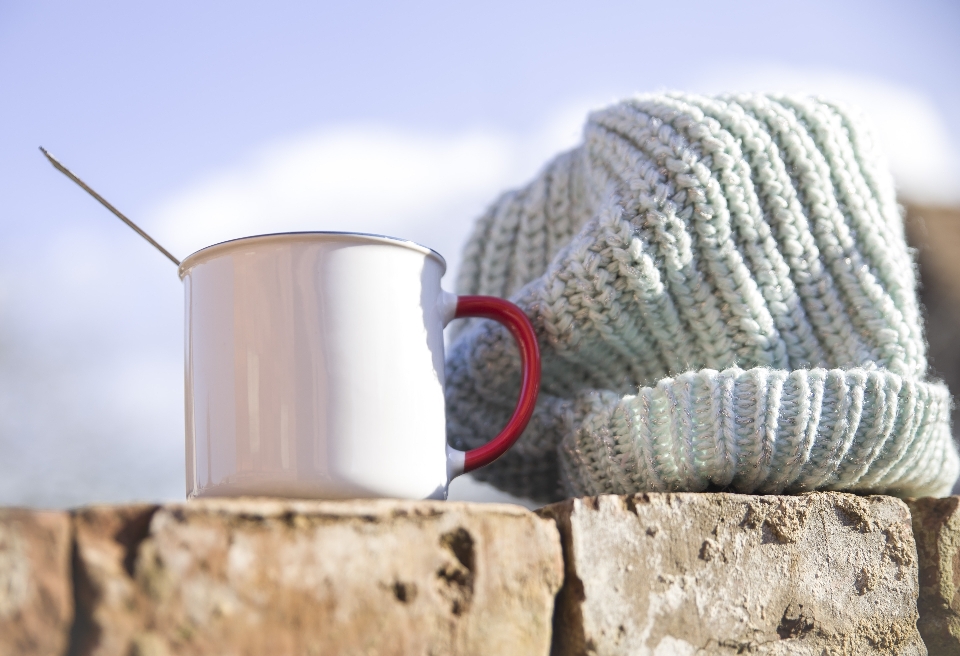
x=724, y=299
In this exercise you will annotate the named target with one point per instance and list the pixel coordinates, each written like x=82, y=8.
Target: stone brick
x=685, y=574
x=936, y=528
x=36, y=599
x=356, y=577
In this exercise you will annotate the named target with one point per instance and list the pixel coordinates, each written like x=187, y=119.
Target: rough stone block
x=358, y=577
x=36, y=598
x=936, y=528
x=685, y=574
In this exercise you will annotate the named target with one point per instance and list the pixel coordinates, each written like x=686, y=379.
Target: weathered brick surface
x=360, y=577
x=656, y=574
x=36, y=599
x=936, y=527
x=689, y=574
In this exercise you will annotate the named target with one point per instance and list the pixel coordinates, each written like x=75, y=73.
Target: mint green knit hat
x=724, y=299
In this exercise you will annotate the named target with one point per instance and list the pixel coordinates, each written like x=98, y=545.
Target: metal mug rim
x=193, y=259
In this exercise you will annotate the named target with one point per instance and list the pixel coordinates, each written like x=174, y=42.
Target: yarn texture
x=724, y=299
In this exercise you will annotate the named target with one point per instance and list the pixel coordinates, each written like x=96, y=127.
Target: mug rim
x=321, y=235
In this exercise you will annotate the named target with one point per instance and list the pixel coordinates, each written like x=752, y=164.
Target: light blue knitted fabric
x=724, y=299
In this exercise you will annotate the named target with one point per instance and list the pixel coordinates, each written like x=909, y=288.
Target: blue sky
x=210, y=120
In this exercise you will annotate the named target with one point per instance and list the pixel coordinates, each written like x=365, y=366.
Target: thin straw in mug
x=63, y=169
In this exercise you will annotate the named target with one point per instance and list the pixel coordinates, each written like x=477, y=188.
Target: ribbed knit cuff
x=764, y=431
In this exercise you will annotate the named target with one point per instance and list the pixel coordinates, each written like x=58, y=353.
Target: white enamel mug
x=315, y=368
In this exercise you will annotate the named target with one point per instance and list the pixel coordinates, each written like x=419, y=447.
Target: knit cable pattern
x=724, y=299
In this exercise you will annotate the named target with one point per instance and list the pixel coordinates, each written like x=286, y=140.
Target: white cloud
x=91, y=396
x=909, y=129
x=416, y=185
x=352, y=178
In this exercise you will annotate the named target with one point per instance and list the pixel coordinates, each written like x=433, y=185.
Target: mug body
x=315, y=368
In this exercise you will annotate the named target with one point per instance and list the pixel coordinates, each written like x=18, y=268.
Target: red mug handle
x=511, y=316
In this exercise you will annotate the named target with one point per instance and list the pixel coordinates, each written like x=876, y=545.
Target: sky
x=207, y=121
